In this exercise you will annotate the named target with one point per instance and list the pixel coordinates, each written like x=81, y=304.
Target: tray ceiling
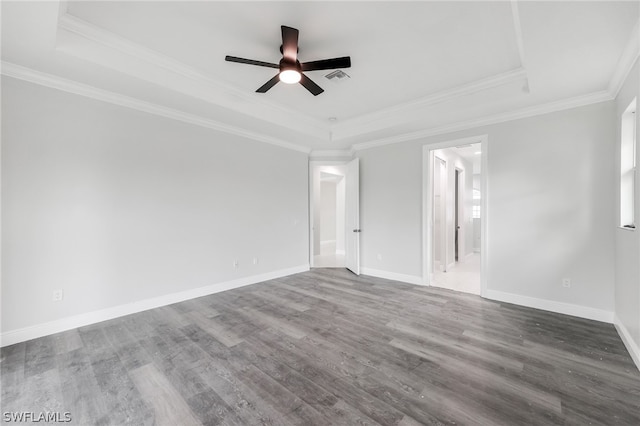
x=418, y=68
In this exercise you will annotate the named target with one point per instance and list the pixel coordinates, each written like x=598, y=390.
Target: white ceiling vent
x=337, y=75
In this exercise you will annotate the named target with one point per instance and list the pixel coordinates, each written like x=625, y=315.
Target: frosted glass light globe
x=290, y=76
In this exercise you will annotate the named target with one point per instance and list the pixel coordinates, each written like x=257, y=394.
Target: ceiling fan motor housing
x=286, y=64
x=282, y=49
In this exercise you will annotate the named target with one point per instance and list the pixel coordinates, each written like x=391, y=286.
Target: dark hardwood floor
x=328, y=348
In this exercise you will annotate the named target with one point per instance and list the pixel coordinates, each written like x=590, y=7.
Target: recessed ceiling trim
x=575, y=102
x=141, y=62
x=405, y=112
x=229, y=97
x=70, y=86
x=403, y=119
x=48, y=80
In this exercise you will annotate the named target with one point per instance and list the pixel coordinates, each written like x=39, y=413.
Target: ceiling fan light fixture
x=290, y=68
x=290, y=76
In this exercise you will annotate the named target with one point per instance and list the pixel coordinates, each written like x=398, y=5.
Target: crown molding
x=52, y=81
x=136, y=60
x=626, y=62
x=400, y=113
x=133, y=59
x=336, y=153
x=550, y=107
x=49, y=80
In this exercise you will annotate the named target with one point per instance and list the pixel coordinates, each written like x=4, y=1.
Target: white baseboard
x=64, y=324
x=410, y=279
x=551, y=305
x=629, y=343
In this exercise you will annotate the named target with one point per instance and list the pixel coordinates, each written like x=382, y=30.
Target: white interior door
x=352, y=217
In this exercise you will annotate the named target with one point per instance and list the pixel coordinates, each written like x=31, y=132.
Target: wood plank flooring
x=328, y=348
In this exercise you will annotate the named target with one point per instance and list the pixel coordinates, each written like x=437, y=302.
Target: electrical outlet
x=255, y=260
x=58, y=295
x=236, y=263
x=379, y=257
x=566, y=282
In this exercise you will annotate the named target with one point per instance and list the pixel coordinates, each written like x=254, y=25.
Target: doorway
x=453, y=202
x=330, y=232
x=334, y=215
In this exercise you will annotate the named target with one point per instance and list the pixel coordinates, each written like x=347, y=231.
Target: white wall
x=550, y=209
x=117, y=206
x=627, y=242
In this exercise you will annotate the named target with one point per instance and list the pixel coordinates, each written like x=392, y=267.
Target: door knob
x=356, y=230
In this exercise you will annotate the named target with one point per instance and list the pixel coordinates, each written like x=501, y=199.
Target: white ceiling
x=418, y=68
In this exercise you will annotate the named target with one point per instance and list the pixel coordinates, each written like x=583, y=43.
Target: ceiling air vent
x=337, y=75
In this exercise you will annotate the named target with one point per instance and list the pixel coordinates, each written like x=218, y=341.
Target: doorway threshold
x=329, y=261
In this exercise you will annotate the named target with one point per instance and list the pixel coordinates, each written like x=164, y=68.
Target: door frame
x=427, y=206
x=312, y=165
x=352, y=216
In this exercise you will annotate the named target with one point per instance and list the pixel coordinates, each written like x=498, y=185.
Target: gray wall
x=116, y=206
x=550, y=206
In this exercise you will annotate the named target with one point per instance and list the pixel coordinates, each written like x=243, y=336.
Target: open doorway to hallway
x=454, y=199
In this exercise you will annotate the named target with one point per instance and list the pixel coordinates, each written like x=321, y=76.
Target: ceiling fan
x=290, y=68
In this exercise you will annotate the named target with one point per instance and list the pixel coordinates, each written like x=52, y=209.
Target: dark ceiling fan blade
x=269, y=84
x=310, y=85
x=327, y=64
x=289, y=43
x=250, y=62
